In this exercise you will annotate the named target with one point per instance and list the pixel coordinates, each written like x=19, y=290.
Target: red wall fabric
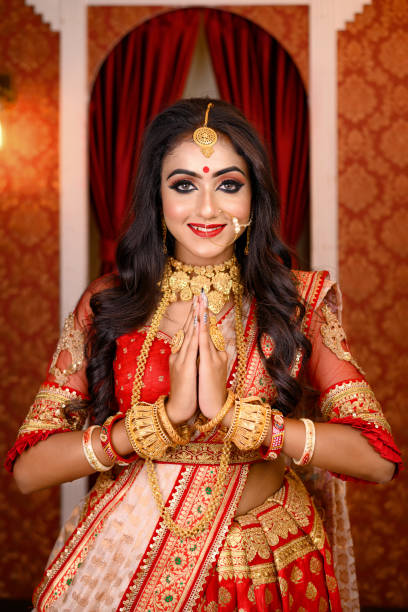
x=29, y=276
x=143, y=74
x=373, y=222
x=255, y=73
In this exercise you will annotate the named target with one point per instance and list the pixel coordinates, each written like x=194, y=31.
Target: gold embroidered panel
x=47, y=411
x=353, y=399
x=73, y=341
x=333, y=335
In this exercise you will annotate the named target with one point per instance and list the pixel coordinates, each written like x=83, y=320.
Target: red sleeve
x=345, y=395
x=65, y=383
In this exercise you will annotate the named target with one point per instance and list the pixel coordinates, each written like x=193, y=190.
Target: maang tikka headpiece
x=205, y=136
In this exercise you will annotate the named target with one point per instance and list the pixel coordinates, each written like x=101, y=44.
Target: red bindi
x=206, y=169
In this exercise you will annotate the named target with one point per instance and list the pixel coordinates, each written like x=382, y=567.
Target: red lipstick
x=206, y=231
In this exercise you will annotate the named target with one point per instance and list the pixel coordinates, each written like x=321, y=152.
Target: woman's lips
x=206, y=231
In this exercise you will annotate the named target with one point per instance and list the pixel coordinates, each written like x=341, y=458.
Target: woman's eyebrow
x=229, y=169
x=181, y=171
x=194, y=174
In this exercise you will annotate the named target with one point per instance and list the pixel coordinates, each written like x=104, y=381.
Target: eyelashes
x=186, y=186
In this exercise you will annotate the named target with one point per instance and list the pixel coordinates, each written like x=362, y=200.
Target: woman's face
x=200, y=197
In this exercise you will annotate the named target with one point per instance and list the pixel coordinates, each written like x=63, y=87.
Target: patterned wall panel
x=28, y=275
x=373, y=192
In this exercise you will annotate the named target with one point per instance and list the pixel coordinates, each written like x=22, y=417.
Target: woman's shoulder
x=312, y=285
x=83, y=308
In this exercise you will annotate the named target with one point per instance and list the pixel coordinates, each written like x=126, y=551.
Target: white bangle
x=309, y=443
x=90, y=453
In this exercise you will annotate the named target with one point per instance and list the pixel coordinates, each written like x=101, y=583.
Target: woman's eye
x=230, y=185
x=182, y=186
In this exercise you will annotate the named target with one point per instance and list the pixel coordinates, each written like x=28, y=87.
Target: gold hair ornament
x=205, y=136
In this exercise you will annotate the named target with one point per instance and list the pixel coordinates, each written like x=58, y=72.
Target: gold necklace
x=217, y=281
x=213, y=506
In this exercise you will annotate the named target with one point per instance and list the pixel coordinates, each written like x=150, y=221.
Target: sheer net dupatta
x=65, y=383
x=332, y=366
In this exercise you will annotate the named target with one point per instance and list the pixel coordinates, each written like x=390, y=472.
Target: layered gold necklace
x=184, y=281
x=170, y=288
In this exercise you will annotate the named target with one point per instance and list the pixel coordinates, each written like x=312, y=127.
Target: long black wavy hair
x=140, y=257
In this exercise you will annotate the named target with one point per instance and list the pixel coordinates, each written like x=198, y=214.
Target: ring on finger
x=216, y=335
x=177, y=341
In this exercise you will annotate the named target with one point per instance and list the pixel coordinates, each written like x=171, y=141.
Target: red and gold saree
x=117, y=554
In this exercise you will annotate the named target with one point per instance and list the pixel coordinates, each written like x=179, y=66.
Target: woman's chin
x=205, y=254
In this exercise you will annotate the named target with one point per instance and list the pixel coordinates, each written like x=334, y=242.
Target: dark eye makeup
x=227, y=185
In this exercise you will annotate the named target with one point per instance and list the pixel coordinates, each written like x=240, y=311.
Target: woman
x=196, y=354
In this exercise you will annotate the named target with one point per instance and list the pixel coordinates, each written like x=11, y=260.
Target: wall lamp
x=6, y=95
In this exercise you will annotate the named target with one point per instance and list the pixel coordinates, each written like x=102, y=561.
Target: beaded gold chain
x=212, y=507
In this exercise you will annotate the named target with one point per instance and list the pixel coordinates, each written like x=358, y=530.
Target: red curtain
x=256, y=74
x=143, y=74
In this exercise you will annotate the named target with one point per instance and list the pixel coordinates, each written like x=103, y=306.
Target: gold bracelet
x=218, y=418
x=310, y=440
x=250, y=424
x=169, y=429
x=143, y=433
x=90, y=453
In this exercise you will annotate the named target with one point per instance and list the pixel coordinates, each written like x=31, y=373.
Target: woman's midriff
x=263, y=480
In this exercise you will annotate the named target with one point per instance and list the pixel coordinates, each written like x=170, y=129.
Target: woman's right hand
x=182, y=402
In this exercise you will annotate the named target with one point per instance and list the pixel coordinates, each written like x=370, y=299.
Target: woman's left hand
x=212, y=370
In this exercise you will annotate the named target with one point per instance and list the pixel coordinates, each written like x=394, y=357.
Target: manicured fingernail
x=205, y=300
x=205, y=318
x=195, y=321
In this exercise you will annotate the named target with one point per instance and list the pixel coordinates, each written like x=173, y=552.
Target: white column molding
x=323, y=137
x=49, y=11
x=73, y=180
x=346, y=10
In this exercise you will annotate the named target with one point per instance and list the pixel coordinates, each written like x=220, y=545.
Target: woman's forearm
x=60, y=458
x=339, y=448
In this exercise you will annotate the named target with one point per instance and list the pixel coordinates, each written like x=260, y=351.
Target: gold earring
x=164, y=232
x=246, y=250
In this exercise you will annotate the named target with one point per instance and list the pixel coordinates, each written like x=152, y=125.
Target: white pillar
x=73, y=180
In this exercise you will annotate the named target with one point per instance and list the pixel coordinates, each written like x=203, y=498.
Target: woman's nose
x=206, y=206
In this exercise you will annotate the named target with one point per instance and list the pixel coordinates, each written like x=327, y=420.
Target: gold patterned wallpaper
x=29, y=275
x=373, y=216
x=373, y=129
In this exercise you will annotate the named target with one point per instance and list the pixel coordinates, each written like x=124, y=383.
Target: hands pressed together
x=198, y=371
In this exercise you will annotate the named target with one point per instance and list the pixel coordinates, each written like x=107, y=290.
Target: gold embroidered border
x=146, y=565
x=73, y=341
x=202, y=453
x=353, y=399
x=217, y=534
x=47, y=414
x=289, y=552
x=333, y=335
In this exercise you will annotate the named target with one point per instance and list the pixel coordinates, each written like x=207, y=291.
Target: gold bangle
x=310, y=441
x=89, y=452
x=234, y=423
x=169, y=429
x=143, y=433
x=219, y=417
x=252, y=423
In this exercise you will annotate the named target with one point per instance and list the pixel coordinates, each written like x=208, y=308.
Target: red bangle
x=278, y=432
x=106, y=441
